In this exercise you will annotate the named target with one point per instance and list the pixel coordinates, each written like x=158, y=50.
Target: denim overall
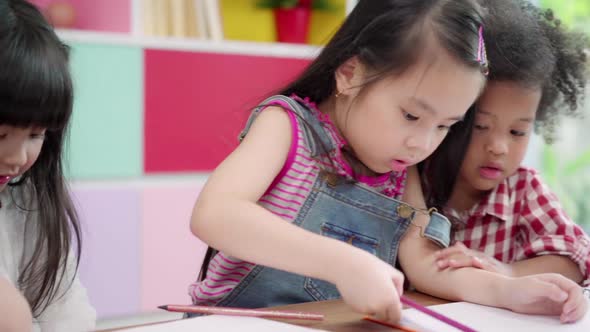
x=336, y=208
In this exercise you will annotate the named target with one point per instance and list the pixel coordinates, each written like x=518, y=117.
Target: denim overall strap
x=438, y=230
x=314, y=133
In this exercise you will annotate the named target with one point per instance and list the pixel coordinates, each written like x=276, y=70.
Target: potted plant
x=292, y=17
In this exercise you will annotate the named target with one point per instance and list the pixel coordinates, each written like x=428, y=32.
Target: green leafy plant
x=570, y=181
x=286, y=4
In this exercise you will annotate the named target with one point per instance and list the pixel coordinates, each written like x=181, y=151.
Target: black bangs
x=35, y=85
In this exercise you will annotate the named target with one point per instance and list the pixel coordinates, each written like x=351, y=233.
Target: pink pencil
x=436, y=315
x=196, y=309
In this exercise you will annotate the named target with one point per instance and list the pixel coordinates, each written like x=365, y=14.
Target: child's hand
x=546, y=294
x=372, y=287
x=458, y=256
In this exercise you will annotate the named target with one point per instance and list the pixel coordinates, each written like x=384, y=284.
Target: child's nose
x=497, y=146
x=420, y=141
x=15, y=157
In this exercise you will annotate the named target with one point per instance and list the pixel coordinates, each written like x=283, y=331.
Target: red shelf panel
x=196, y=104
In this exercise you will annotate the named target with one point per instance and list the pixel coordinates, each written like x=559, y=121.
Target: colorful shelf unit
x=142, y=110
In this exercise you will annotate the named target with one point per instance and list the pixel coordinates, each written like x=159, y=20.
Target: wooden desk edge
x=339, y=316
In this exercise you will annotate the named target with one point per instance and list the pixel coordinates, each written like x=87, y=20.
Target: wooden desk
x=341, y=318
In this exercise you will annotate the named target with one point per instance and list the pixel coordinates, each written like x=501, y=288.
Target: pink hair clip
x=482, y=56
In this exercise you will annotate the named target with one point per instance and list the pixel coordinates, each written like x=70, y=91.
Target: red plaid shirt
x=521, y=218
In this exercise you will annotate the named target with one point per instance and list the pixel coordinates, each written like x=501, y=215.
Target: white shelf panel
x=280, y=50
x=145, y=181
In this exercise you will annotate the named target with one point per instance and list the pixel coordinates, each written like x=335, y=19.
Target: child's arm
x=548, y=240
x=228, y=218
x=459, y=256
x=15, y=312
x=543, y=294
x=548, y=264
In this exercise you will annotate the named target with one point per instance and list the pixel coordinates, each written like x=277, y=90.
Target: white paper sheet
x=488, y=319
x=218, y=323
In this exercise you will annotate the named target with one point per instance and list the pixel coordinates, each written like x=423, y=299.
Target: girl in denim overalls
x=308, y=206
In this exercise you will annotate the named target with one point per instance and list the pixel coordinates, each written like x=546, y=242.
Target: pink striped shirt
x=285, y=197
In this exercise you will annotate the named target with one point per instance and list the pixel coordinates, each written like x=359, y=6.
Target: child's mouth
x=4, y=179
x=398, y=165
x=490, y=172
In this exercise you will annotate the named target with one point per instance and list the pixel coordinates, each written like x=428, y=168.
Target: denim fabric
x=344, y=211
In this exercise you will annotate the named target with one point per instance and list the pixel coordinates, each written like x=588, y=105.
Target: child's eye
x=37, y=135
x=444, y=128
x=517, y=133
x=480, y=127
x=409, y=116
x=3, y=136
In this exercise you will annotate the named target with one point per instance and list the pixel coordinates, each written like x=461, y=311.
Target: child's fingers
x=465, y=261
x=443, y=264
x=398, y=281
x=454, y=262
x=562, y=282
x=580, y=311
x=559, y=280
x=460, y=260
x=573, y=300
x=445, y=253
x=452, y=250
x=471, y=261
x=576, y=312
x=558, y=287
x=389, y=313
x=575, y=306
x=394, y=313
x=480, y=264
x=543, y=289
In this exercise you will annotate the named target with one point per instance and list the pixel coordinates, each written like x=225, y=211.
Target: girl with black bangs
x=39, y=230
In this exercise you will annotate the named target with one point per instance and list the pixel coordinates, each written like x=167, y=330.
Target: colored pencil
x=243, y=312
x=436, y=315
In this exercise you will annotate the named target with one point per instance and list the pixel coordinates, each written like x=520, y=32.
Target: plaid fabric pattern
x=521, y=218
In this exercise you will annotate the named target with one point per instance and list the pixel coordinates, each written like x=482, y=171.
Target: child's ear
x=349, y=77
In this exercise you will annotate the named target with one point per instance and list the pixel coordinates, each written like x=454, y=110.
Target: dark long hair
x=36, y=90
x=440, y=170
x=388, y=37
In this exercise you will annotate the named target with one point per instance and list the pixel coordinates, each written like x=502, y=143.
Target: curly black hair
x=529, y=45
